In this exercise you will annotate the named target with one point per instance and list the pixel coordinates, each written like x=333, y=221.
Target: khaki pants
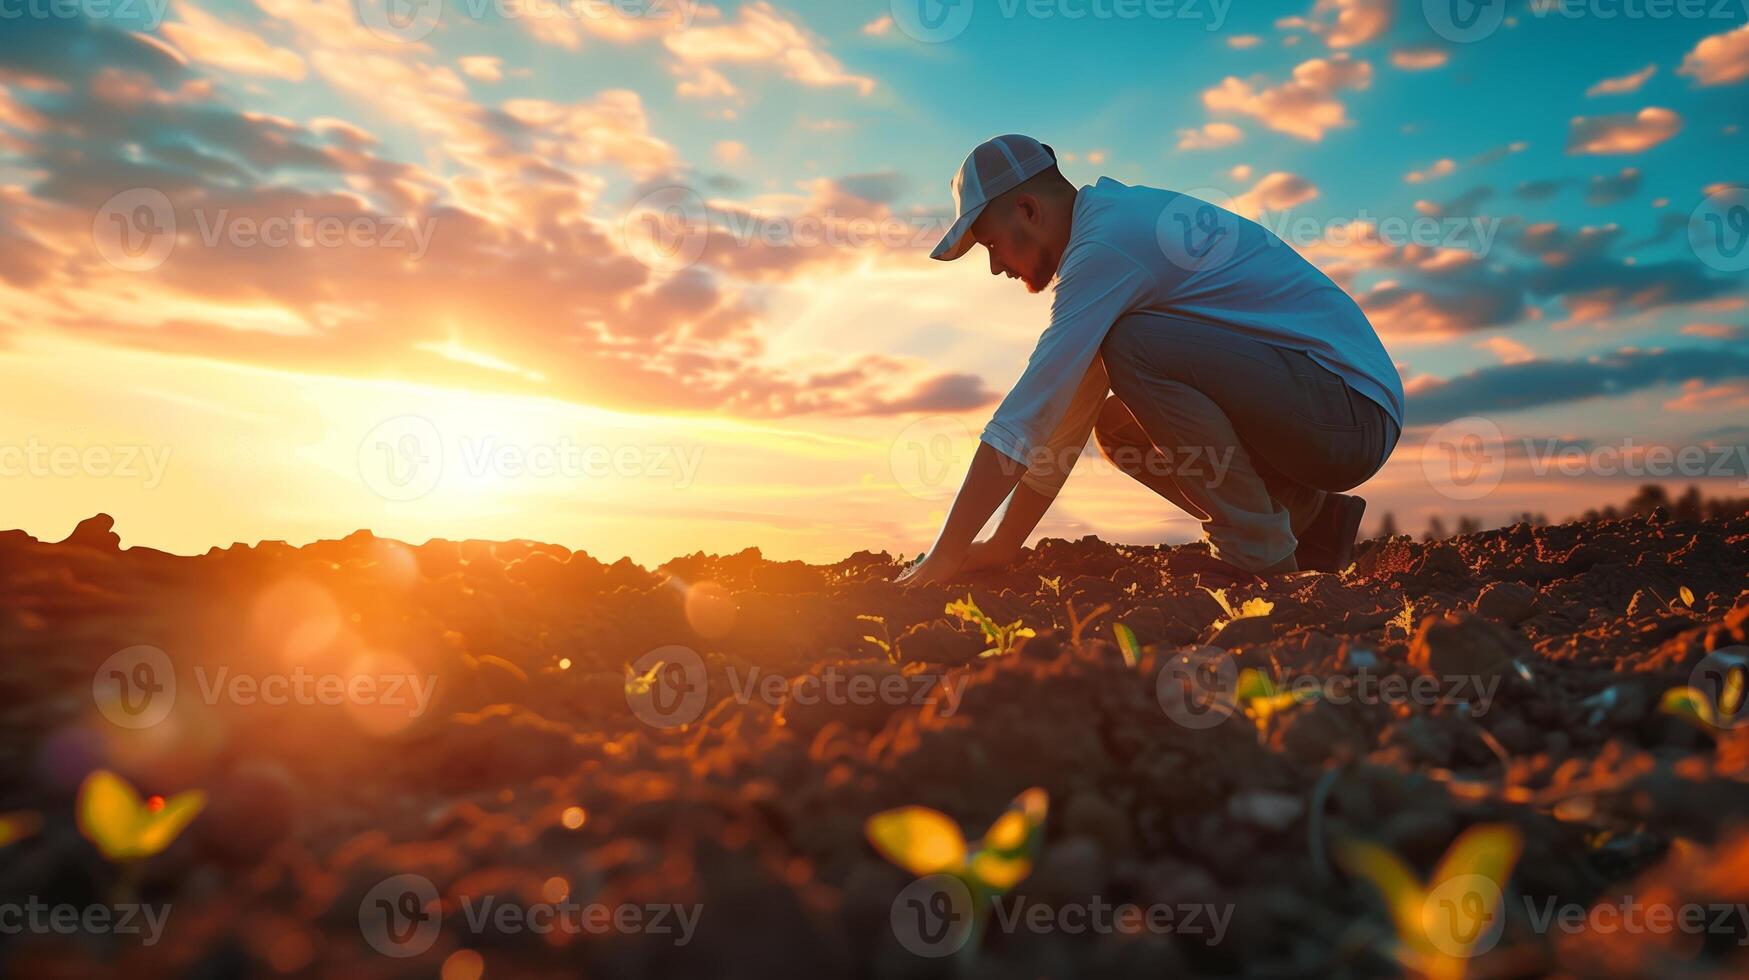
x=1244, y=436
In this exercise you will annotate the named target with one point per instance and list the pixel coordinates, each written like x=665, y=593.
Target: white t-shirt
x=1144, y=249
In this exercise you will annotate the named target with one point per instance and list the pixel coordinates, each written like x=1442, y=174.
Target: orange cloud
x=1419, y=59
x=1697, y=396
x=1305, y=106
x=205, y=38
x=1622, y=132
x=764, y=36
x=1211, y=136
x=1624, y=83
x=1509, y=351
x=1722, y=59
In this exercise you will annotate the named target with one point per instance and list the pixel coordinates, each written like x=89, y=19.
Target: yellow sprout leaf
x=1008, y=833
x=1690, y=704
x=124, y=828
x=1687, y=596
x=1395, y=882
x=1489, y=850
x=642, y=684
x=1014, y=828
x=918, y=839
x=1000, y=873
x=1256, y=607
x=18, y=825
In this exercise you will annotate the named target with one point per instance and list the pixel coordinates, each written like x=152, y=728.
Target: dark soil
x=754, y=809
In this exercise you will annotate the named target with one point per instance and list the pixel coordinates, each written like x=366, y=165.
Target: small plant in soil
x=1001, y=638
x=927, y=842
x=1440, y=924
x=885, y=640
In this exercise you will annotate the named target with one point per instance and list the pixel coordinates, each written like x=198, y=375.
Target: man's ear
x=1028, y=208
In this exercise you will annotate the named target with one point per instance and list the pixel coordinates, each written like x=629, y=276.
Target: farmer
x=1244, y=386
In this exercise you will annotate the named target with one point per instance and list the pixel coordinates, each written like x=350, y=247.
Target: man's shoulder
x=1121, y=217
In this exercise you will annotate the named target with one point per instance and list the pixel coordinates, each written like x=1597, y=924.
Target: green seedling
x=641, y=685
x=1258, y=695
x=1246, y=609
x=1001, y=638
x=1440, y=925
x=927, y=842
x=1127, y=644
x=1405, y=620
x=126, y=828
x=885, y=640
x=1692, y=705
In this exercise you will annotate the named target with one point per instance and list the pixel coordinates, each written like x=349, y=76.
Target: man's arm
x=989, y=480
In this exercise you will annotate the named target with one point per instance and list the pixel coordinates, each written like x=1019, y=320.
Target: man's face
x=1012, y=232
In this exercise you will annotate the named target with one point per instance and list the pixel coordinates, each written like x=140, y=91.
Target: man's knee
x=1119, y=435
x=1120, y=350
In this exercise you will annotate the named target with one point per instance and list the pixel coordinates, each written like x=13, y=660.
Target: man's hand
x=937, y=566
x=989, y=556
x=989, y=481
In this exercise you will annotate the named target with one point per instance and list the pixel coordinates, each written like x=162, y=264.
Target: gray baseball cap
x=995, y=166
